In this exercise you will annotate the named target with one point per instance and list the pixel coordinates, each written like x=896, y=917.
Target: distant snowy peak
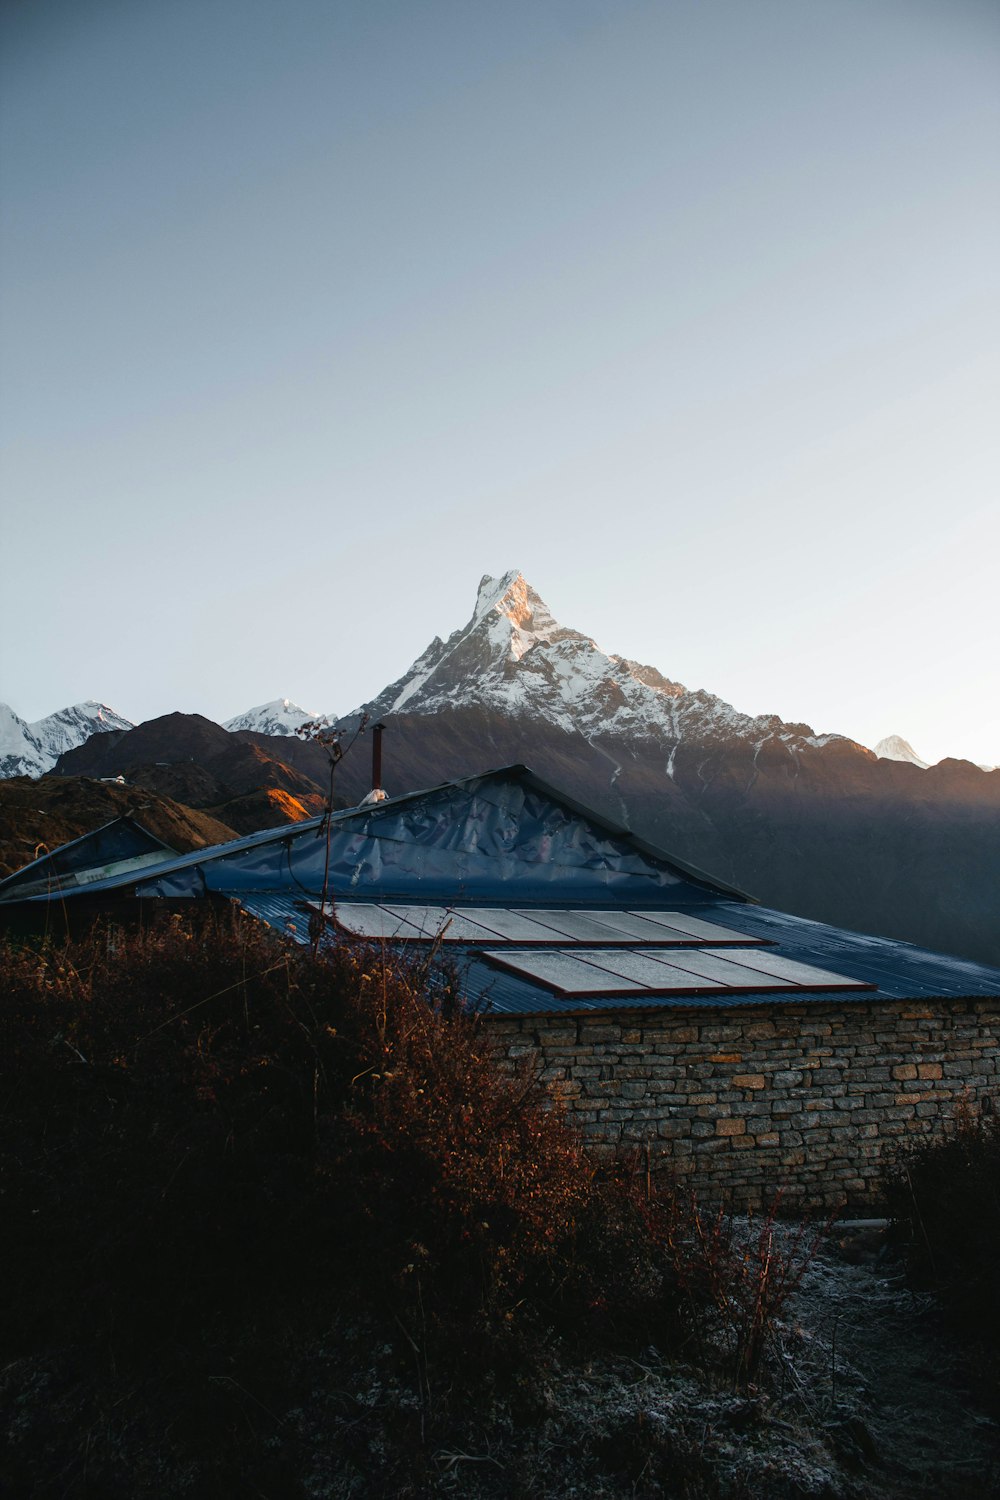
x=514, y=658
x=74, y=726
x=280, y=716
x=33, y=749
x=894, y=747
x=20, y=755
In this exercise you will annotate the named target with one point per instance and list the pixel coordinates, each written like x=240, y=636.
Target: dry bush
x=216, y=1150
x=944, y=1198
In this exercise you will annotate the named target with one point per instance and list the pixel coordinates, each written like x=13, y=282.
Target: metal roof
x=896, y=970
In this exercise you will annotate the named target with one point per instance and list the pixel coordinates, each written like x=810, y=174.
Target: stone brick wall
x=743, y=1102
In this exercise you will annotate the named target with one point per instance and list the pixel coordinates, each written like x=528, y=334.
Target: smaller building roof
x=117, y=849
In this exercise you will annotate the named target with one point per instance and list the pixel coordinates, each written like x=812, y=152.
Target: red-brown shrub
x=217, y=1150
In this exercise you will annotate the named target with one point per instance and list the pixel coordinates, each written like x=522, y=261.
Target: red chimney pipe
x=377, y=757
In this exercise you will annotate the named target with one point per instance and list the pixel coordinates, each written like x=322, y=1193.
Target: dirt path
x=892, y=1391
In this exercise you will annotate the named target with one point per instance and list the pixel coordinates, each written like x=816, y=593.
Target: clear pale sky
x=313, y=311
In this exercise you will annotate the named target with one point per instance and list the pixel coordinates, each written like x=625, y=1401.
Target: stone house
x=750, y=1049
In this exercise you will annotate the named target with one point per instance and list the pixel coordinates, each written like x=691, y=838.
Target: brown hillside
x=268, y=808
x=37, y=816
x=188, y=758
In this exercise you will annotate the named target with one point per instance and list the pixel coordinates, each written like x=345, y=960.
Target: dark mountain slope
x=191, y=759
x=827, y=833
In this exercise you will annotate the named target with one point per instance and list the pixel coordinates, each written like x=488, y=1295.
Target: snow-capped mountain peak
x=73, y=726
x=20, y=755
x=894, y=747
x=280, y=716
x=512, y=598
x=514, y=658
x=515, y=617
x=33, y=749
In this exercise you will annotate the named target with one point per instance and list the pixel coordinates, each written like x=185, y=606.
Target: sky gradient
x=312, y=313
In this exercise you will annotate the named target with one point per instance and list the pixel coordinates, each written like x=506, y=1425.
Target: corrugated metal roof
x=899, y=971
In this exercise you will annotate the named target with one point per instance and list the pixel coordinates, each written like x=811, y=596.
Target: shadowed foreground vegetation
x=276, y=1226
x=944, y=1198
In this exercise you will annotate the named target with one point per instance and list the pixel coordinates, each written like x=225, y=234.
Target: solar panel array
x=478, y=924
x=588, y=953
x=606, y=971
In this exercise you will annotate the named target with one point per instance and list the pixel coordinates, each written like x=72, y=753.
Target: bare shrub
x=943, y=1195
x=218, y=1152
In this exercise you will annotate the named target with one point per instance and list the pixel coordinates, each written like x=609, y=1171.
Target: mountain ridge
x=513, y=656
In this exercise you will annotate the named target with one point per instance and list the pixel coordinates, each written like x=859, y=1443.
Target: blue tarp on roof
x=502, y=836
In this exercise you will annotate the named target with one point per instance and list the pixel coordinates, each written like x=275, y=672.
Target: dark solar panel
x=696, y=929
x=564, y=972
x=444, y=923
x=366, y=921
x=802, y=976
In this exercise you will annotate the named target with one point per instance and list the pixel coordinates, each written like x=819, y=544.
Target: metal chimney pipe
x=377, y=757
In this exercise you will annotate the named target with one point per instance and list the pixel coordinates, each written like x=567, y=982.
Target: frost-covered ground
x=863, y=1398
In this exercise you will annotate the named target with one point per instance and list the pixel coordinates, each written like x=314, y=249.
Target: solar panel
x=594, y=953
x=564, y=972
x=510, y=926
x=723, y=968
x=363, y=920
x=444, y=923
x=634, y=926
x=649, y=969
x=802, y=976
x=696, y=929
x=577, y=926
x=613, y=971
x=549, y=926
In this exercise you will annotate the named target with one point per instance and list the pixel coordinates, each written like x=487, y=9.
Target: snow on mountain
x=894, y=747
x=280, y=716
x=514, y=658
x=20, y=754
x=74, y=726
x=33, y=749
